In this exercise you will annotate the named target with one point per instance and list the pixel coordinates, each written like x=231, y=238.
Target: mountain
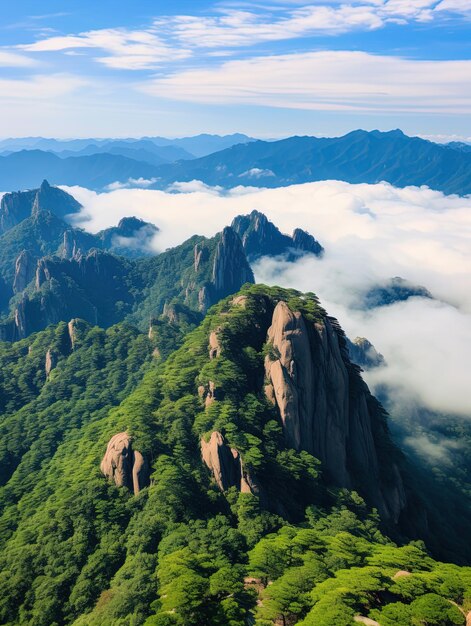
x=27, y=168
x=358, y=157
x=204, y=144
x=15, y=207
x=187, y=491
x=262, y=238
x=33, y=226
x=170, y=149
x=396, y=289
x=53, y=272
x=140, y=150
x=182, y=447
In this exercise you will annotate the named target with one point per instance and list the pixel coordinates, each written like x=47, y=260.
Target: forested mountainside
x=234, y=483
x=358, y=157
x=53, y=272
x=179, y=446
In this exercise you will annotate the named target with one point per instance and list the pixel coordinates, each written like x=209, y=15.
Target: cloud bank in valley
x=370, y=233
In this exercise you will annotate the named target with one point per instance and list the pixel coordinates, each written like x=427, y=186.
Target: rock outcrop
x=325, y=407
x=24, y=271
x=51, y=361
x=260, y=237
x=123, y=465
x=230, y=267
x=214, y=345
x=225, y=464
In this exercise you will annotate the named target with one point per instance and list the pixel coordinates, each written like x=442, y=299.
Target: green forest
x=291, y=547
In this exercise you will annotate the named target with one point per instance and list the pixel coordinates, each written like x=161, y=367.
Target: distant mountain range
x=170, y=149
x=358, y=157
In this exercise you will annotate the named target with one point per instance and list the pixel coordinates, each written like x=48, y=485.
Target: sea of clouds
x=370, y=233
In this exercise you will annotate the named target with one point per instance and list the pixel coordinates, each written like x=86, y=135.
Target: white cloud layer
x=327, y=80
x=370, y=233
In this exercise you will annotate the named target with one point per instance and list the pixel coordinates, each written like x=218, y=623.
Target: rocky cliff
x=325, y=407
x=260, y=237
x=230, y=267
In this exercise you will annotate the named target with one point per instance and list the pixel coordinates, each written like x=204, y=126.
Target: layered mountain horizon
x=233, y=160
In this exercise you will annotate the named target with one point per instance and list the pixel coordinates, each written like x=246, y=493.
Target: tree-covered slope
x=241, y=520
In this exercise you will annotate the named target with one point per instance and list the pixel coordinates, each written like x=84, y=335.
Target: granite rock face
x=225, y=464
x=123, y=465
x=24, y=271
x=325, y=407
x=230, y=266
x=260, y=237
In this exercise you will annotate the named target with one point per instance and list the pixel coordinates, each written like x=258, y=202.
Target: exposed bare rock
x=20, y=320
x=201, y=255
x=365, y=620
x=240, y=301
x=323, y=410
x=204, y=298
x=51, y=361
x=123, y=465
x=43, y=273
x=211, y=393
x=401, y=573
x=225, y=464
x=214, y=345
x=24, y=271
x=70, y=249
x=230, y=268
x=72, y=330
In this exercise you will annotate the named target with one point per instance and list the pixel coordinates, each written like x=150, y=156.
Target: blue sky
x=269, y=69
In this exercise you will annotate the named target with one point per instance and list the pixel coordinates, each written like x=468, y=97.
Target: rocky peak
x=260, y=237
x=24, y=271
x=363, y=353
x=123, y=465
x=18, y=205
x=304, y=242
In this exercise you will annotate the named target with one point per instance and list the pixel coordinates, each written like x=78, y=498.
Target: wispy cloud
x=124, y=49
x=245, y=26
x=39, y=87
x=12, y=59
x=177, y=37
x=328, y=80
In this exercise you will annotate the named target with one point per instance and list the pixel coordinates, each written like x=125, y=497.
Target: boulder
x=123, y=465
x=225, y=464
